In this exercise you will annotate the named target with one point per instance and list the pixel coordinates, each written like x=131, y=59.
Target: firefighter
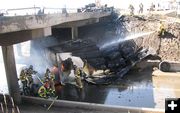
x=29, y=71
x=140, y=8
x=52, y=78
x=161, y=30
x=152, y=7
x=52, y=84
x=66, y=67
x=55, y=72
x=131, y=8
x=78, y=75
x=46, y=75
x=49, y=83
x=24, y=81
x=42, y=92
x=88, y=69
x=46, y=79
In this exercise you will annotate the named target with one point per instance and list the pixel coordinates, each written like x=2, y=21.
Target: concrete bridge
x=16, y=29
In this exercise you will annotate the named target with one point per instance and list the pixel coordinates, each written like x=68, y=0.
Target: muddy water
x=136, y=89
x=133, y=90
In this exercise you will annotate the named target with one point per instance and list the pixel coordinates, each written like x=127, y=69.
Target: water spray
x=134, y=36
x=39, y=78
x=118, y=18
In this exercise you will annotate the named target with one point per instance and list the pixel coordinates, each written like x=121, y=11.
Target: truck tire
x=164, y=66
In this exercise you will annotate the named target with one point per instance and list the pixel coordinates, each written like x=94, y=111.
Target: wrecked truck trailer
x=117, y=58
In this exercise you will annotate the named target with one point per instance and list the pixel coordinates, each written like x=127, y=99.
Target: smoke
x=40, y=58
x=35, y=53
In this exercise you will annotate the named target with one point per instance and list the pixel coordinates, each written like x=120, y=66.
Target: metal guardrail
x=35, y=11
x=46, y=10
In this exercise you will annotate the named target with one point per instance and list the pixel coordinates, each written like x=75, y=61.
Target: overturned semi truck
x=117, y=57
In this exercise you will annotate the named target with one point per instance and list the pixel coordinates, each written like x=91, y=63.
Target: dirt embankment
x=167, y=46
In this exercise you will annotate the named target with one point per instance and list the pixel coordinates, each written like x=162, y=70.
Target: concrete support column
x=74, y=32
x=11, y=74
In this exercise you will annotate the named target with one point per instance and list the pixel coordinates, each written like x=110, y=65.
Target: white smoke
x=34, y=53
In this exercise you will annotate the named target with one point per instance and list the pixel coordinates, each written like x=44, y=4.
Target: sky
x=123, y=4
x=8, y=4
x=46, y=3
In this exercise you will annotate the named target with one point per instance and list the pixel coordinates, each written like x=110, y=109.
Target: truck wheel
x=164, y=66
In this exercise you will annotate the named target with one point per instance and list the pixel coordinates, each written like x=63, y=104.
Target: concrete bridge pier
x=11, y=74
x=6, y=41
x=74, y=32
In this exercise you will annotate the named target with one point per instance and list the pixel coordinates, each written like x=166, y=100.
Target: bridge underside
x=18, y=29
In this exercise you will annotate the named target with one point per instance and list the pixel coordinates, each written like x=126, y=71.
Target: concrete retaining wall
x=91, y=106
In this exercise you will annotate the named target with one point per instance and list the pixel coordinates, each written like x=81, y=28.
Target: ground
x=41, y=109
x=166, y=46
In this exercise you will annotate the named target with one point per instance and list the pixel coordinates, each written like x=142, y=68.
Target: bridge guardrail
x=45, y=10
x=35, y=11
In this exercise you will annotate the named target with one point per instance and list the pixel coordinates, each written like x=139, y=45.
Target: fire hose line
x=5, y=102
x=39, y=79
x=52, y=103
x=2, y=108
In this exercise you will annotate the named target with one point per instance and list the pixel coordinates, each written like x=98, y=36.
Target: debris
x=8, y=105
x=118, y=58
x=164, y=66
x=169, y=66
